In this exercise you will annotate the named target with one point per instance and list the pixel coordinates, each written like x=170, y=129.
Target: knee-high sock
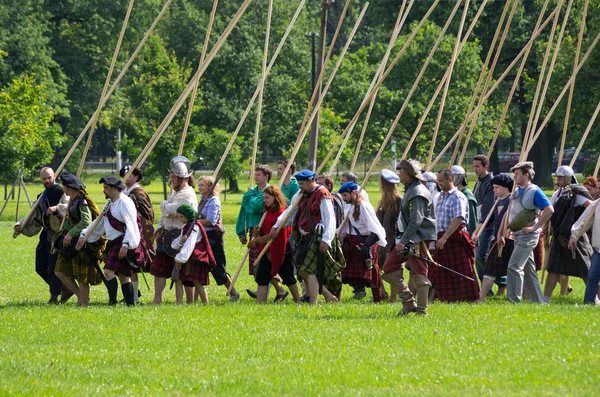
x=112, y=286
x=127, y=290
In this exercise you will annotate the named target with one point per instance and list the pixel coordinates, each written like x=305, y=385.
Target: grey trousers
x=521, y=271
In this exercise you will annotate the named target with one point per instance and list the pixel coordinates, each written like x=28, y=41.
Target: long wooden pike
x=104, y=100
x=182, y=98
x=372, y=94
x=260, y=94
x=402, y=15
x=302, y=135
x=497, y=83
x=572, y=87
x=563, y=92
x=188, y=117
x=105, y=88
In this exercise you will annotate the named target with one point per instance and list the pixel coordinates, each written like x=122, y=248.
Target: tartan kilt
x=82, y=267
x=459, y=255
x=195, y=272
x=112, y=261
x=162, y=265
x=333, y=260
x=356, y=272
x=496, y=266
x=252, y=255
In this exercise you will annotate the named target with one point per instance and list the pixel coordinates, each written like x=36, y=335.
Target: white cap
x=457, y=170
x=430, y=176
x=390, y=176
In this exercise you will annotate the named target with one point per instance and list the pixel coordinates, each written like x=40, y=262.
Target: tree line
x=55, y=54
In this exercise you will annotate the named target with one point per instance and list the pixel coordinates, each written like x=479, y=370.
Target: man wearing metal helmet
x=430, y=181
x=182, y=183
x=569, y=202
x=528, y=212
x=461, y=183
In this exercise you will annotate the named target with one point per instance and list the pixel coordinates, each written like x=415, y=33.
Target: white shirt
x=327, y=215
x=123, y=209
x=169, y=219
x=188, y=247
x=366, y=224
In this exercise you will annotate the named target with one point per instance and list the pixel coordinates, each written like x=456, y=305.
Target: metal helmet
x=430, y=176
x=565, y=170
x=180, y=166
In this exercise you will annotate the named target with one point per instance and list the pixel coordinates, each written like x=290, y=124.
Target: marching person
x=212, y=221
x=589, y=219
x=591, y=184
x=460, y=181
x=388, y=211
x=78, y=269
x=182, y=183
x=359, y=234
x=124, y=247
x=53, y=202
x=569, y=202
x=338, y=204
x=454, y=247
x=195, y=258
x=289, y=185
x=528, y=212
x=416, y=226
x=495, y=267
x=251, y=211
x=319, y=257
x=351, y=177
x=278, y=259
x=144, y=208
x=485, y=197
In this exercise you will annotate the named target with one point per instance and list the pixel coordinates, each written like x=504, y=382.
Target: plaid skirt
x=252, y=255
x=195, y=272
x=356, y=272
x=497, y=266
x=459, y=255
x=162, y=265
x=81, y=268
x=112, y=261
x=333, y=260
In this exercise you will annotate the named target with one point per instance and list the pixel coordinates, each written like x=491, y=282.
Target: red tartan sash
x=139, y=254
x=202, y=251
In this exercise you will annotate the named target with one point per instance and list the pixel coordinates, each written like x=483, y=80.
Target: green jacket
x=290, y=189
x=472, y=225
x=250, y=212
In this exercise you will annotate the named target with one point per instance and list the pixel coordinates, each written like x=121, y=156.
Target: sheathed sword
x=410, y=250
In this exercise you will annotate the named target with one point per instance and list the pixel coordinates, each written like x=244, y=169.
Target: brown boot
x=396, y=279
x=422, y=283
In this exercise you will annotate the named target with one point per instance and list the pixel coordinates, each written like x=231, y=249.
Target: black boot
x=112, y=286
x=127, y=290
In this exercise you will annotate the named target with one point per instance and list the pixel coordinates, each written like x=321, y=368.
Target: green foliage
x=27, y=132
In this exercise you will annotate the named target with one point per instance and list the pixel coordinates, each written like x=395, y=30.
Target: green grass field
x=346, y=349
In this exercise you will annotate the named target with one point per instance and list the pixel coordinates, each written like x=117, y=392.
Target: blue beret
x=113, y=181
x=348, y=187
x=70, y=180
x=390, y=176
x=305, y=175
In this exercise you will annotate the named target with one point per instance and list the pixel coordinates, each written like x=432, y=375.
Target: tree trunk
x=494, y=162
x=164, y=180
x=233, y=185
x=541, y=154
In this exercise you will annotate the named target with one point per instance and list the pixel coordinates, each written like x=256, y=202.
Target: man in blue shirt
x=528, y=212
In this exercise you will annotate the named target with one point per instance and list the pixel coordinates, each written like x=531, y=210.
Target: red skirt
x=112, y=261
x=537, y=254
x=195, y=272
x=162, y=266
x=356, y=272
x=458, y=254
x=252, y=255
